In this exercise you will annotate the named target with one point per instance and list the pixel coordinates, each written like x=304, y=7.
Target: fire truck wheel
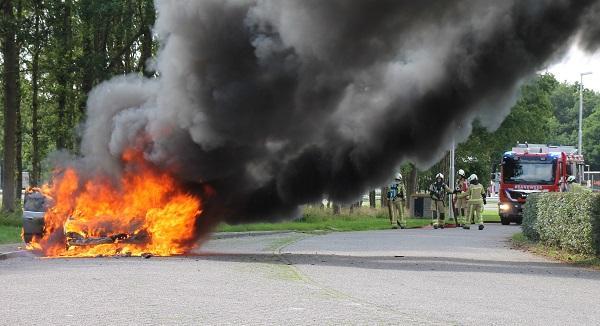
x=504, y=220
x=519, y=220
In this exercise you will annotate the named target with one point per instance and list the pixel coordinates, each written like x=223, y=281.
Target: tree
x=591, y=139
x=10, y=52
x=565, y=101
x=372, y=199
x=19, y=120
x=148, y=17
x=412, y=183
x=63, y=75
x=35, y=73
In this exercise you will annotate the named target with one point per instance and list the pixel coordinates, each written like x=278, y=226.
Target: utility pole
x=580, y=147
x=451, y=185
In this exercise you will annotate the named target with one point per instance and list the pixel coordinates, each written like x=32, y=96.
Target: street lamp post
x=451, y=179
x=580, y=148
x=585, y=178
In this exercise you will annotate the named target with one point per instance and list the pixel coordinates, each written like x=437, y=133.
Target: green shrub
x=314, y=214
x=568, y=221
x=11, y=219
x=530, y=211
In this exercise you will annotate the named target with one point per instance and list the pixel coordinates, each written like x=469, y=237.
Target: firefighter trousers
x=475, y=213
x=462, y=210
x=396, y=212
x=438, y=208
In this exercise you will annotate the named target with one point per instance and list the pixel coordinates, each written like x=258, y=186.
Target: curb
x=214, y=236
x=230, y=235
x=13, y=254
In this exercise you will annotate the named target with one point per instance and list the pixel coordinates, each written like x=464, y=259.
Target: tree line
x=546, y=112
x=54, y=52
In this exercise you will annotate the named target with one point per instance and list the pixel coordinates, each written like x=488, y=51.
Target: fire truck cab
x=531, y=168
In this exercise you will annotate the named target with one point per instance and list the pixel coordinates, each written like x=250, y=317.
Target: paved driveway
x=420, y=277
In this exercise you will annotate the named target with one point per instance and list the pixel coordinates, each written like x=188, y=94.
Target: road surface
x=420, y=277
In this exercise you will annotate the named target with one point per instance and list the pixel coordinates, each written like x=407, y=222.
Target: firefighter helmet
x=439, y=176
x=399, y=176
x=473, y=177
x=461, y=173
x=571, y=179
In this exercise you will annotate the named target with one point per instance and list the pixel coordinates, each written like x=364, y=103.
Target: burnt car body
x=77, y=235
x=34, y=208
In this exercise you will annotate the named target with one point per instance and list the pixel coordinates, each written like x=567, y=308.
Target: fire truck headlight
x=504, y=207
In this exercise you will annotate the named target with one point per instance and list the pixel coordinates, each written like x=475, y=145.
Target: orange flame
x=145, y=212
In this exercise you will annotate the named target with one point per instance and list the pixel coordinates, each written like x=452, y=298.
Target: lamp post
x=580, y=148
x=585, y=178
x=451, y=179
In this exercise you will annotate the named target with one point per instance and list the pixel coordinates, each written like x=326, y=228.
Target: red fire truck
x=531, y=168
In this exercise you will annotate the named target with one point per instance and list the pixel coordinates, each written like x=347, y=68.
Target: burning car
x=143, y=211
x=35, y=205
x=79, y=233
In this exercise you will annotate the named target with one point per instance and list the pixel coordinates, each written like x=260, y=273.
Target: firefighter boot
x=481, y=226
x=442, y=220
x=400, y=225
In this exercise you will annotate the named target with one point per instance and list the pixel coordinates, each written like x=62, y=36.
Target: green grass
x=314, y=219
x=11, y=219
x=491, y=216
x=520, y=241
x=10, y=234
x=333, y=225
x=10, y=227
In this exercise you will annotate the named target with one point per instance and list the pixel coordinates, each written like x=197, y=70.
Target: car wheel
x=504, y=220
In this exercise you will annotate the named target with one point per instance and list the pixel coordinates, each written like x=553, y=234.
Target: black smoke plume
x=276, y=103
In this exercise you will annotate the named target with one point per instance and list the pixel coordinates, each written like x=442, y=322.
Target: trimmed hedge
x=530, y=212
x=569, y=221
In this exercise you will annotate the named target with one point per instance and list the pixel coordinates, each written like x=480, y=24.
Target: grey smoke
x=276, y=103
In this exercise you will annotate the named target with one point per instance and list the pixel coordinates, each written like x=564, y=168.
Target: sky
x=575, y=62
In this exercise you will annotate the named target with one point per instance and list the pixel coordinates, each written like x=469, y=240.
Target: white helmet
x=399, y=176
x=439, y=175
x=571, y=179
x=472, y=177
x=461, y=172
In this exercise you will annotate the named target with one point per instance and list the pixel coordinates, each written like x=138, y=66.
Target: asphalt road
x=425, y=276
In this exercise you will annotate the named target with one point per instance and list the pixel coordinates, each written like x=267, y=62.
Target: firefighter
x=476, y=200
x=573, y=186
x=462, y=186
x=396, y=197
x=564, y=185
x=437, y=192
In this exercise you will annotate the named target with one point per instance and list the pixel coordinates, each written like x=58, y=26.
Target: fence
x=592, y=179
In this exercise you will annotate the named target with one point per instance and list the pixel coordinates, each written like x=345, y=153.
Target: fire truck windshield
x=529, y=171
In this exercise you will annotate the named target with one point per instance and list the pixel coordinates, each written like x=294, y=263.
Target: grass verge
x=10, y=227
x=520, y=241
x=332, y=225
x=361, y=219
x=314, y=219
x=491, y=216
x=10, y=234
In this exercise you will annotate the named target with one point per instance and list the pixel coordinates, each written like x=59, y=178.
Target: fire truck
x=531, y=168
